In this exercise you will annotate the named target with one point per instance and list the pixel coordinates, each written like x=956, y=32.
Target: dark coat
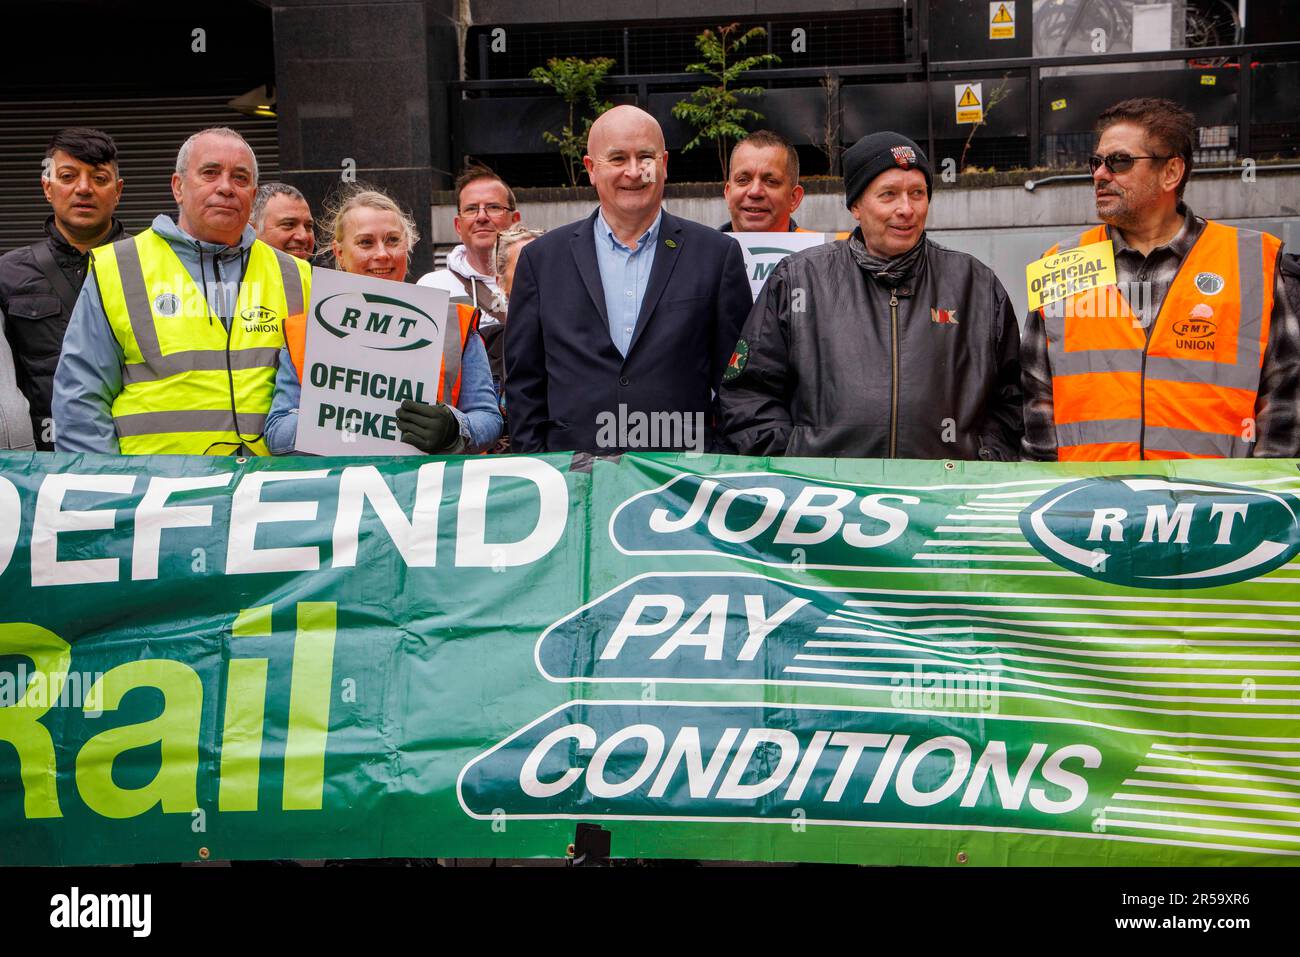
x=565, y=379
x=36, y=313
x=828, y=367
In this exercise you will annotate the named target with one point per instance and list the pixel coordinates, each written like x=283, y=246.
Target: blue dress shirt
x=624, y=276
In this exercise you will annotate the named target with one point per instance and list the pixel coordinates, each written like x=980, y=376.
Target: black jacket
x=827, y=367
x=568, y=388
x=37, y=308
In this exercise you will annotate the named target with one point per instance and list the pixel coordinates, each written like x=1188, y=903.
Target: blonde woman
x=505, y=254
x=373, y=236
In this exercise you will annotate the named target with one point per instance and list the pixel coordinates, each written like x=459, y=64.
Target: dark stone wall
x=361, y=89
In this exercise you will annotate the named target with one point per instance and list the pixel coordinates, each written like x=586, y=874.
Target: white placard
x=764, y=250
x=370, y=344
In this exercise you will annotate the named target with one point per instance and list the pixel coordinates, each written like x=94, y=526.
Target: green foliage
x=991, y=100
x=575, y=80
x=715, y=111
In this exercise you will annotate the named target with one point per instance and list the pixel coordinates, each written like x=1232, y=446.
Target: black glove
x=432, y=429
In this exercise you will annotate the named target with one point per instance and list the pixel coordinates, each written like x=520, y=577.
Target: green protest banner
x=879, y=662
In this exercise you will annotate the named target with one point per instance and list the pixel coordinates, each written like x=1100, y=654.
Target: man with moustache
x=39, y=284
x=1194, y=352
x=626, y=317
x=174, y=347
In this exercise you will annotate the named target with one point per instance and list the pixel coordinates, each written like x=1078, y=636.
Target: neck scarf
x=892, y=272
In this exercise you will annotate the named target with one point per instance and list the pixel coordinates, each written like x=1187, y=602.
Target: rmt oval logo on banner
x=1148, y=532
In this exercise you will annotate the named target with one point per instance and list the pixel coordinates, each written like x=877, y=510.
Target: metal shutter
x=148, y=132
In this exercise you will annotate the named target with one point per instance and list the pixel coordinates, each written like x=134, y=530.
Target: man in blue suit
x=621, y=325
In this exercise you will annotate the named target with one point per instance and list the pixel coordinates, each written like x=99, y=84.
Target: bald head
x=627, y=163
x=623, y=121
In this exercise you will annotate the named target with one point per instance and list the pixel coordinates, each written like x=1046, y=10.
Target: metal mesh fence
x=871, y=36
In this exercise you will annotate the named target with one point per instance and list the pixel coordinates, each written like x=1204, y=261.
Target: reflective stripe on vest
x=180, y=365
x=464, y=315
x=1189, y=389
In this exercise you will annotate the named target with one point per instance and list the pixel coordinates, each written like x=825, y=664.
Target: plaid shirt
x=1277, y=407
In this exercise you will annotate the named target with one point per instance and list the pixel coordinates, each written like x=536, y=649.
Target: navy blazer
x=567, y=383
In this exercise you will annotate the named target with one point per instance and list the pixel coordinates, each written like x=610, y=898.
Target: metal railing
x=1244, y=56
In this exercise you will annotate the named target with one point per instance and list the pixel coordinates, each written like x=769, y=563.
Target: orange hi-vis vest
x=1187, y=390
x=465, y=316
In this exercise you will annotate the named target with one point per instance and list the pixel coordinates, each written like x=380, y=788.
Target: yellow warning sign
x=1002, y=20
x=1207, y=79
x=1070, y=272
x=970, y=102
x=1058, y=104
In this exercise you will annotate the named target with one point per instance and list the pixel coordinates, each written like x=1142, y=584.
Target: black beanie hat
x=874, y=154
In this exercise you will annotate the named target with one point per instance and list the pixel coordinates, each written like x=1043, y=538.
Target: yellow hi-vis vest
x=183, y=370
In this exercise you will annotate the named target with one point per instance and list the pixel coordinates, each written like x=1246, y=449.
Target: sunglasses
x=1117, y=162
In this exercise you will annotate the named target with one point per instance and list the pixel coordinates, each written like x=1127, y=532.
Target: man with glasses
x=1193, y=351
x=485, y=206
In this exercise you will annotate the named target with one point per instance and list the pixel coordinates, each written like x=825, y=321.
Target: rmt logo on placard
x=376, y=322
x=1149, y=532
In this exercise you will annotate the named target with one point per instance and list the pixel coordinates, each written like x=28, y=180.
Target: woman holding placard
x=373, y=236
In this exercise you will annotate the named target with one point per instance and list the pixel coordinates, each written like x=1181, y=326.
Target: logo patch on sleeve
x=737, y=363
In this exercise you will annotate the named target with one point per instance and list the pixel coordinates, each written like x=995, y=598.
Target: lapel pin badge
x=670, y=243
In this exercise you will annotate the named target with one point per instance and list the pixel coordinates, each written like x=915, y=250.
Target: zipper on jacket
x=893, y=399
x=230, y=331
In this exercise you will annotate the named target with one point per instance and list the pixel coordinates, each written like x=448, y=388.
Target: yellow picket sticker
x=1058, y=104
x=1070, y=271
x=1207, y=79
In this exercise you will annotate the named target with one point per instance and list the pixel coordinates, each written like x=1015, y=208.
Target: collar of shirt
x=71, y=253
x=647, y=238
x=458, y=262
x=727, y=228
x=1178, y=247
